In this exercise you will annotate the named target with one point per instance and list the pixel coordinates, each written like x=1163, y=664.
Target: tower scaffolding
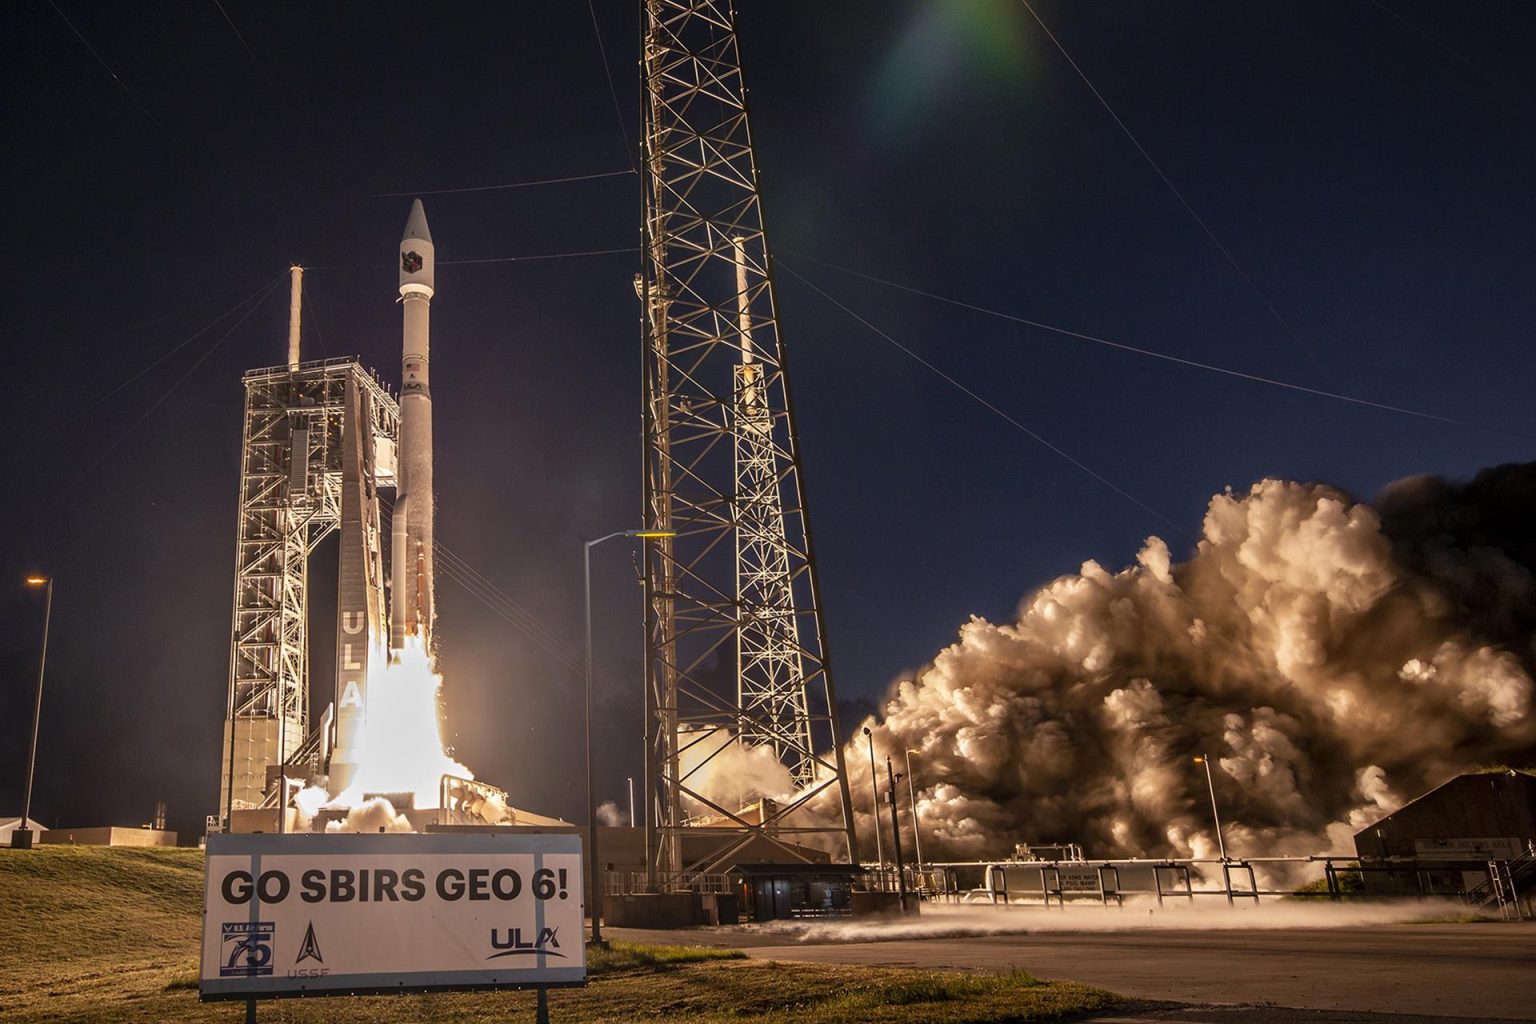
x=735, y=648
x=770, y=673
x=307, y=468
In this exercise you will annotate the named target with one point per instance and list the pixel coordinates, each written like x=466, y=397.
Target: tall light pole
x=595, y=896
x=901, y=875
x=22, y=837
x=917, y=837
x=1205, y=759
x=1215, y=814
x=874, y=789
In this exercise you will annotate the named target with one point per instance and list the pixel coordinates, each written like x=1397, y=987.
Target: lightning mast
x=736, y=652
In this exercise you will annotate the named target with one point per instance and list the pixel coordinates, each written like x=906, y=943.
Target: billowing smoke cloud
x=373, y=815
x=728, y=772
x=1332, y=659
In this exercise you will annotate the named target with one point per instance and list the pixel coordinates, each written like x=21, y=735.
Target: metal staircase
x=1507, y=880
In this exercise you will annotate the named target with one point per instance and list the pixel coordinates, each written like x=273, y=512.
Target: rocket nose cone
x=416, y=223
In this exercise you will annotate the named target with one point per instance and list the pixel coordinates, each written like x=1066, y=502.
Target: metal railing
x=1107, y=882
x=618, y=883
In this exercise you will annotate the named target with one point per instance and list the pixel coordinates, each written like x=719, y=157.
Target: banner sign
x=1489, y=848
x=310, y=914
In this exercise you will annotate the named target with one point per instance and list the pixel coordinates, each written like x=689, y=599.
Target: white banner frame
x=462, y=904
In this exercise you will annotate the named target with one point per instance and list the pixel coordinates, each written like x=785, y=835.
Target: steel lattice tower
x=306, y=471
x=734, y=593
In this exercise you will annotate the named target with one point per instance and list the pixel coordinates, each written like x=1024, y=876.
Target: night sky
x=1367, y=166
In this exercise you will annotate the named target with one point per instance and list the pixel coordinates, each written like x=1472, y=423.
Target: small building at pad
x=1473, y=837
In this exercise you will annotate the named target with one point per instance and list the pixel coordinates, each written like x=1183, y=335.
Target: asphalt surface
x=1393, y=974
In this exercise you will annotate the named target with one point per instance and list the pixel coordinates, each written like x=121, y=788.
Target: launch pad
x=321, y=443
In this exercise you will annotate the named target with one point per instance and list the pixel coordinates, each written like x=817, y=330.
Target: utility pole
x=595, y=874
x=901, y=881
x=917, y=837
x=874, y=792
x=1226, y=878
x=22, y=837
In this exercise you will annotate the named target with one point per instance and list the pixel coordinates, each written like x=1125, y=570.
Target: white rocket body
x=411, y=598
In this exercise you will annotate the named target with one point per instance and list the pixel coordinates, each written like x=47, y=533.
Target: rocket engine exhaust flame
x=399, y=747
x=1334, y=660
x=402, y=746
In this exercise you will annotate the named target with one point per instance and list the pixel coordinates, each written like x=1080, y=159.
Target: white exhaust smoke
x=1138, y=914
x=1331, y=668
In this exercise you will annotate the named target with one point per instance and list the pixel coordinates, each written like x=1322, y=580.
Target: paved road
x=1476, y=972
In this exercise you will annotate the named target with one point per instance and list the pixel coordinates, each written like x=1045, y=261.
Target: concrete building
x=1471, y=837
x=722, y=896
x=13, y=823
x=108, y=835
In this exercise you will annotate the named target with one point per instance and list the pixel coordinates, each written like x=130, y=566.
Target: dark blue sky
x=1367, y=165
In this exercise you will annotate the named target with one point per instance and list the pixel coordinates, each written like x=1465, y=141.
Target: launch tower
x=735, y=649
x=318, y=442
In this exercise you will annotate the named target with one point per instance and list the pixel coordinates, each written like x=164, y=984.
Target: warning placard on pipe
x=289, y=915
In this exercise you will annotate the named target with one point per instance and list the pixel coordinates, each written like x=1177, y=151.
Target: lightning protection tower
x=736, y=652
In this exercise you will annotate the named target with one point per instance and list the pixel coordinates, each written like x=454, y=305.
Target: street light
x=596, y=893
x=901, y=879
x=917, y=837
x=874, y=789
x=1215, y=814
x=1205, y=759
x=21, y=839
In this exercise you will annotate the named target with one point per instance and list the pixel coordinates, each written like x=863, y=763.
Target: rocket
x=411, y=555
x=360, y=599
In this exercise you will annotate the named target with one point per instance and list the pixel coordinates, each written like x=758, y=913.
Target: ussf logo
x=247, y=949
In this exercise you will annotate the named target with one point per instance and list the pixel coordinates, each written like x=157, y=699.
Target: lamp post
x=901, y=881
x=917, y=837
x=874, y=791
x=1205, y=759
x=595, y=897
x=22, y=837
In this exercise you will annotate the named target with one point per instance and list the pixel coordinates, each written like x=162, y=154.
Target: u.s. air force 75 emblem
x=247, y=949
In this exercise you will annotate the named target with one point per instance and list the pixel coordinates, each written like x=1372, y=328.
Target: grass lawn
x=112, y=935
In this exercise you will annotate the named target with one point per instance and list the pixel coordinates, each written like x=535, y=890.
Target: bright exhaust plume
x=402, y=745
